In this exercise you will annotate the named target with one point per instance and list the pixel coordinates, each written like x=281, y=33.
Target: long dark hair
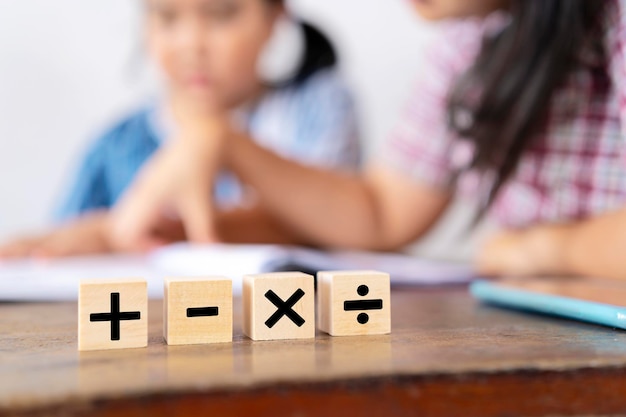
x=319, y=52
x=501, y=103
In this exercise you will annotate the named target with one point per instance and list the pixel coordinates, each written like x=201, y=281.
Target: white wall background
x=70, y=67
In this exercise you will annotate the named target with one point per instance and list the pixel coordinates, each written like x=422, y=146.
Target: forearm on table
x=84, y=235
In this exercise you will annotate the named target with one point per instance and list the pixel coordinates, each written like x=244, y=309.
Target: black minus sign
x=202, y=311
x=363, y=305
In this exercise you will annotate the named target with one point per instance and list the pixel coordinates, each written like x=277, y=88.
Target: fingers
x=138, y=225
x=197, y=216
x=135, y=216
x=131, y=225
x=194, y=115
x=177, y=179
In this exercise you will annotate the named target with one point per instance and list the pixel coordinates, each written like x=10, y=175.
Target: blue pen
x=568, y=307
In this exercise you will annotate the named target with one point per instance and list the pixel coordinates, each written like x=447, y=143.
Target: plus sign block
x=353, y=302
x=112, y=314
x=279, y=306
x=198, y=310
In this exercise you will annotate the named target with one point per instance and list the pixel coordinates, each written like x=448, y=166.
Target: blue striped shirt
x=313, y=123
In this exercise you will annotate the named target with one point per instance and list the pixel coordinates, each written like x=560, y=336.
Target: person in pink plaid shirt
x=521, y=104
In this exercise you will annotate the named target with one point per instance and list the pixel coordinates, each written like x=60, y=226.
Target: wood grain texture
x=259, y=308
x=210, y=319
x=335, y=288
x=112, y=314
x=446, y=355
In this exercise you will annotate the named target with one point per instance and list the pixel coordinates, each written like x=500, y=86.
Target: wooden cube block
x=198, y=310
x=279, y=306
x=353, y=302
x=112, y=314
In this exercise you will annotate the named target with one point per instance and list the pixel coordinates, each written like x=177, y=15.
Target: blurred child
x=522, y=104
x=217, y=57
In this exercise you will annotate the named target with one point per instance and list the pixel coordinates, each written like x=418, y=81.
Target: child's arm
x=593, y=247
x=381, y=210
x=85, y=235
x=89, y=235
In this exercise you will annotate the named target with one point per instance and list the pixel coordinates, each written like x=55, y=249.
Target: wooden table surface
x=447, y=355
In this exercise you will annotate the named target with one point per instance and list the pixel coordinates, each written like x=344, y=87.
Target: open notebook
x=27, y=280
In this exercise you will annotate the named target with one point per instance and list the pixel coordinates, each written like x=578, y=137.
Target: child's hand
x=531, y=252
x=175, y=184
x=81, y=237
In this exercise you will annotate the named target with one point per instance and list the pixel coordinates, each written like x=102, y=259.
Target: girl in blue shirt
x=211, y=54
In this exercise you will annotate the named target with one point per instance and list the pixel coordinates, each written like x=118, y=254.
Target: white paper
x=403, y=269
x=55, y=280
x=235, y=261
x=231, y=261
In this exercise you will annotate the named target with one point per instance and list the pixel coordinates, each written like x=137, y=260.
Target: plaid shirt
x=577, y=166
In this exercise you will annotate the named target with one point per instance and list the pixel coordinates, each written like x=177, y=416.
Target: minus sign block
x=351, y=303
x=198, y=310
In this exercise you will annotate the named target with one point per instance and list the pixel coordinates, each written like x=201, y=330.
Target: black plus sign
x=284, y=308
x=115, y=316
